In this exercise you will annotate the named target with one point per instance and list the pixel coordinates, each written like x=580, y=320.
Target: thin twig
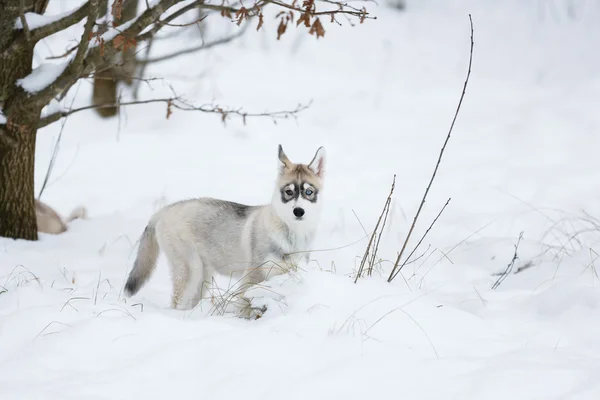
x=357, y=13
x=421, y=240
x=178, y=103
x=510, y=265
x=204, y=46
x=142, y=72
x=376, y=248
x=383, y=212
x=55, y=150
x=394, y=270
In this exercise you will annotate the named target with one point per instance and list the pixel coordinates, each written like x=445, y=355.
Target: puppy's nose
x=298, y=212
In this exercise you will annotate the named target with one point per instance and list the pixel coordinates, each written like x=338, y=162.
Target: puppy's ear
x=317, y=165
x=284, y=162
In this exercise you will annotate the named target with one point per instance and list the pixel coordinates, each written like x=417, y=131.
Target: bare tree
x=24, y=92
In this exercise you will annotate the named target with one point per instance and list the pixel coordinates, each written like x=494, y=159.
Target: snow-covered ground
x=522, y=158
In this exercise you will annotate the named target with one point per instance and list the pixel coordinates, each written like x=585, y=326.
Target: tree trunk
x=17, y=208
x=17, y=135
x=106, y=80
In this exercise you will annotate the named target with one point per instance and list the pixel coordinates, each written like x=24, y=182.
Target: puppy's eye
x=308, y=192
x=289, y=192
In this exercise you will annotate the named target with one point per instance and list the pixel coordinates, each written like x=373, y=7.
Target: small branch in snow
x=384, y=212
x=510, y=265
x=422, y=238
x=179, y=104
x=394, y=271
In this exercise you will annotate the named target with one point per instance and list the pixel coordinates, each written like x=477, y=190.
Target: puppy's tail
x=145, y=262
x=77, y=213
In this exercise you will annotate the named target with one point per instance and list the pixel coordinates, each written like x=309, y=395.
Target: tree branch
x=204, y=46
x=111, y=43
x=353, y=11
x=75, y=68
x=63, y=23
x=195, y=5
x=100, y=55
x=82, y=49
x=180, y=104
x=24, y=22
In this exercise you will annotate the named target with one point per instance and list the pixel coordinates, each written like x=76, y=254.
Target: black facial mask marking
x=285, y=198
x=295, y=188
x=313, y=197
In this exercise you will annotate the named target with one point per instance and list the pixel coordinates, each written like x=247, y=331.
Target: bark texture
x=18, y=134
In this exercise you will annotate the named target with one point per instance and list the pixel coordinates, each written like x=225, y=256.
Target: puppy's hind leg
x=180, y=275
x=199, y=273
x=179, y=266
x=204, y=285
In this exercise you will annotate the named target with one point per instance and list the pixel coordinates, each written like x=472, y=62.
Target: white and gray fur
x=204, y=236
x=48, y=220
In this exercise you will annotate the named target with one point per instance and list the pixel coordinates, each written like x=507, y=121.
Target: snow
x=52, y=108
x=35, y=20
x=42, y=76
x=522, y=158
x=2, y=117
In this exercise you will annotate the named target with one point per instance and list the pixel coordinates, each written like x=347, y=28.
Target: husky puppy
x=204, y=236
x=48, y=220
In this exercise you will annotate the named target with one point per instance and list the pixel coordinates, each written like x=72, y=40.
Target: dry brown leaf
x=169, y=109
x=304, y=18
x=281, y=28
x=309, y=5
x=225, y=12
x=260, y=21
x=240, y=14
x=117, y=8
x=118, y=41
x=317, y=28
x=129, y=44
